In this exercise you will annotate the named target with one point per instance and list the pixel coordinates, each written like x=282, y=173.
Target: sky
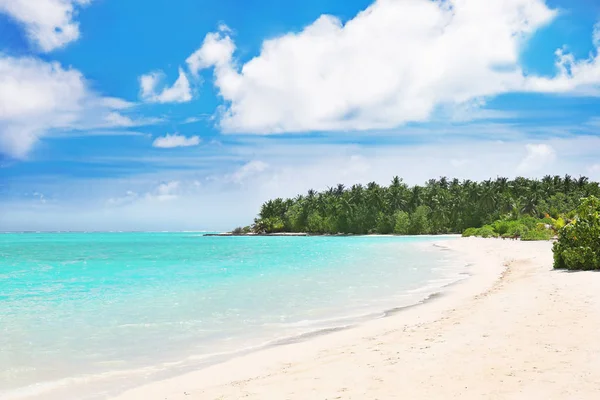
x=155, y=115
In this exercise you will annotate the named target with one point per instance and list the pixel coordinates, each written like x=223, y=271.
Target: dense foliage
x=578, y=245
x=439, y=206
x=525, y=228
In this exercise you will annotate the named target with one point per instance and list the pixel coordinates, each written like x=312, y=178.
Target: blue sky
x=150, y=115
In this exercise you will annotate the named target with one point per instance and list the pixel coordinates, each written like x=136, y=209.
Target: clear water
x=87, y=315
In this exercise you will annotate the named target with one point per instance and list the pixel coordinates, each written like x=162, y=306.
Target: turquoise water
x=87, y=315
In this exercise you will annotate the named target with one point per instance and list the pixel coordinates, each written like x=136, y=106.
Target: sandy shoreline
x=515, y=329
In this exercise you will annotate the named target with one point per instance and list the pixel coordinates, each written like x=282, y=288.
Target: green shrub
x=486, y=232
x=470, y=232
x=578, y=245
x=529, y=222
x=419, y=221
x=547, y=221
x=402, y=225
x=385, y=224
x=238, y=231
x=315, y=223
x=517, y=230
x=538, y=234
x=502, y=226
x=558, y=224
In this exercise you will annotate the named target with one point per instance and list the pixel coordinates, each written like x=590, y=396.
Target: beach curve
x=516, y=329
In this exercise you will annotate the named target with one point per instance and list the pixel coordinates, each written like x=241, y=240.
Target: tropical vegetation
x=525, y=228
x=578, y=244
x=527, y=208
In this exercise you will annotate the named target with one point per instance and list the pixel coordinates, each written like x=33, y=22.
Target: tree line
x=439, y=206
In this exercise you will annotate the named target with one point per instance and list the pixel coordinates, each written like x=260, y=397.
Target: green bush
x=529, y=222
x=238, y=231
x=517, y=230
x=402, y=225
x=578, y=245
x=547, y=221
x=419, y=221
x=502, y=226
x=485, y=232
x=469, y=232
x=538, y=234
x=558, y=224
x=385, y=224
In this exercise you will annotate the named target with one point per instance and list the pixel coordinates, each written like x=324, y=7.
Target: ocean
x=87, y=315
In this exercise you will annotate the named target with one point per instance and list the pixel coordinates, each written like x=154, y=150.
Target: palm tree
x=567, y=183
x=488, y=197
x=451, y=205
x=415, y=198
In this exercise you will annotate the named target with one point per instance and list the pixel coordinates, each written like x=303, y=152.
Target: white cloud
x=248, y=170
x=292, y=169
x=398, y=61
x=180, y=92
x=192, y=120
x=537, y=158
x=165, y=191
x=395, y=62
x=175, y=140
x=593, y=172
x=579, y=77
x=217, y=50
x=30, y=86
x=37, y=97
x=115, y=119
x=49, y=23
x=129, y=197
x=40, y=196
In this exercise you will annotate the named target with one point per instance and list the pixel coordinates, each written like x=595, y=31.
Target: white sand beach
x=515, y=330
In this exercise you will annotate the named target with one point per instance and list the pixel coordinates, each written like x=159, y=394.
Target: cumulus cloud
x=216, y=50
x=37, y=97
x=248, y=170
x=398, y=61
x=395, y=62
x=165, y=191
x=151, y=91
x=538, y=157
x=49, y=23
x=175, y=140
x=574, y=76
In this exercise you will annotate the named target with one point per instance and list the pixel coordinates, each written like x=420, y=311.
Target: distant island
x=528, y=209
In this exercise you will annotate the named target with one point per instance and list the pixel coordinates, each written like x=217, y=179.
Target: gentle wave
x=103, y=312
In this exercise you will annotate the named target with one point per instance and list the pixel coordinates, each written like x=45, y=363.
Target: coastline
x=515, y=329
x=409, y=290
